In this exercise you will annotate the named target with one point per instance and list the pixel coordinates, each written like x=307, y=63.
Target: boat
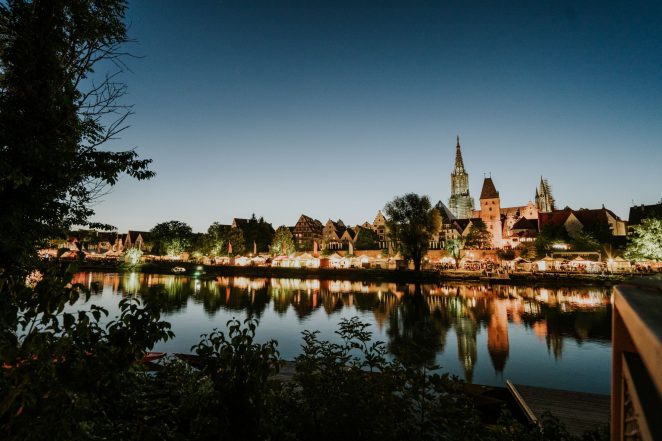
x=153, y=356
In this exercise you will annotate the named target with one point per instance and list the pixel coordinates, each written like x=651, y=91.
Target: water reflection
x=416, y=321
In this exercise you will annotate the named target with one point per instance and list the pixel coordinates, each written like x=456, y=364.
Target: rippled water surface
x=557, y=338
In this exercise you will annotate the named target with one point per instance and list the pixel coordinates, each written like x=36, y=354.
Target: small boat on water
x=153, y=356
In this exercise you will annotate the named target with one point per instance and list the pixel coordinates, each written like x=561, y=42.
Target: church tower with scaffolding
x=461, y=204
x=544, y=198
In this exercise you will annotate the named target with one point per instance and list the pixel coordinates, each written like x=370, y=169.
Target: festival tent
x=546, y=264
x=618, y=264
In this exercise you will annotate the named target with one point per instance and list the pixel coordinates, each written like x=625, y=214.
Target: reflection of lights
x=196, y=286
x=312, y=284
x=132, y=283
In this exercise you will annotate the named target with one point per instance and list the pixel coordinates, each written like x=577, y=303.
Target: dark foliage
x=54, y=117
x=479, y=236
x=258, y=232
x=367, y=240
x=171, y=238
x=412, y=223
x=66, y=375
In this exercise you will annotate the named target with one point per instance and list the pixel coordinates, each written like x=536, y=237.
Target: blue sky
x=332, y=108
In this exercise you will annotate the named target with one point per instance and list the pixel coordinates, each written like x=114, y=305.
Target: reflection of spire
x=497, y=336
x=555, y=345
x=302, y=303
x=332, y=303
x=466, y=330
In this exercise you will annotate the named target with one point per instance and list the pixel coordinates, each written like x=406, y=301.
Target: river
x=549, y=337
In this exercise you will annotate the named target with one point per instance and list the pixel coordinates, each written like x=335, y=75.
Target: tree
x=67, y=366
x=257, y=231
x=479, y=236
x=54, y=117
x=366, y=239
x=454, y=247
x=550, y=235
x=585, y=241
x=216, y=240
x=506, y=254
x=132, y=256
x=283, y=242
x=646, y=241
x=236, y=239
x=412, y=223
x=529, y=251
x=171, y=238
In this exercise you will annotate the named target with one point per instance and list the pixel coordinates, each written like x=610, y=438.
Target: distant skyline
x=332, y=108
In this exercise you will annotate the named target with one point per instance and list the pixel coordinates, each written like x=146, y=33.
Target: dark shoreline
x=359, y=274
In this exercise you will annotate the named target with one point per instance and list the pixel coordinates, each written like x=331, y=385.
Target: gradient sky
x=332, y=108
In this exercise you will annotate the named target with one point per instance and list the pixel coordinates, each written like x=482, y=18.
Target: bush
x=66, y=376
x=74, y=379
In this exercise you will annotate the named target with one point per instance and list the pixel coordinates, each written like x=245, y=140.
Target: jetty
x=578, y=411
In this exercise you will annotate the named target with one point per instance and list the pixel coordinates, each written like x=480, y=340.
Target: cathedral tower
x=461, y=204
x=544, y=198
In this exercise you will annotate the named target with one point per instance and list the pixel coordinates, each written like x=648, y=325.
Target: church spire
x=544, y=198
x=459, y=163
x=461, y=204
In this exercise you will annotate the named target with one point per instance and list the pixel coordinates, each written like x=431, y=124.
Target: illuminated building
x=544, y=198
x=490, y=211
x=379, y=226
x=332, y=233
x=575, y=221
x=307, y=231
x=461, y=204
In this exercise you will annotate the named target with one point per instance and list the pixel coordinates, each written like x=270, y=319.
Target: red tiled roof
x=556, y=218
x=525, y=224
x=489, y=190
x=594, y=217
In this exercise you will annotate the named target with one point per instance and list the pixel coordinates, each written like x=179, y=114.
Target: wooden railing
x=636, y=404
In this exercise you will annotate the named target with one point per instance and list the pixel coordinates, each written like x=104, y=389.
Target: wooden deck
x=579, y=411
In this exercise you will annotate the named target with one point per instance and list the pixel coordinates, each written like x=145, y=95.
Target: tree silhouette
x=412, y=223
x=55, y=114
x=283, y=242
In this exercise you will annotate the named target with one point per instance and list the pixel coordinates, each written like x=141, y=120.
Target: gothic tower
x=490, y=211
x=461, y=204
x=544, y=198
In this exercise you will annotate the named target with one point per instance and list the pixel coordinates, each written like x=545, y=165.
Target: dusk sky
x=332, y=108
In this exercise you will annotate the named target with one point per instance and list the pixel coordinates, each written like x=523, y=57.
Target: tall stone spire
x=544, y=198
x=459, y=163
x=461, y=204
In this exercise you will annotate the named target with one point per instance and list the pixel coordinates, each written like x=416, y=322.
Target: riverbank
x=359, y=274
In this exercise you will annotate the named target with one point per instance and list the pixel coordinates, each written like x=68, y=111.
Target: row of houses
x=509, y=226
x=103, y=243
